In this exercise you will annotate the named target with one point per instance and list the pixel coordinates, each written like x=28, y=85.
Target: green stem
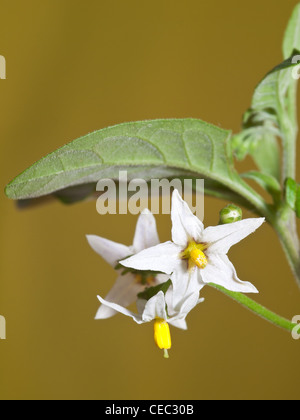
x=255, y=200
x=290, y=243
x=284, y=221
x=257, y=308
x=289, y=127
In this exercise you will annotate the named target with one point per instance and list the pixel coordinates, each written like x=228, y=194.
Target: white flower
x=159, y=306
x=127, y=286
x=159, y=309
x=196, y=256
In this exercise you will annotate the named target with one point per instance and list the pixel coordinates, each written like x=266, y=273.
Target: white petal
x=185, y=226
x=124, y=292
x=179, y=323
x=189, y=303
x=163, y=257
x=169, y=301
x=111, y=251
x=146, y=232
x=105, y=312
x=140, y=305
x=180, y=281
x=169, y=298
x=161, y=278
x=155, y=308
x=223, y=237
x=185, y=283
x=222, y=272
x=118, y=308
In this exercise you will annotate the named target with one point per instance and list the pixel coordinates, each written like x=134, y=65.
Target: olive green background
x=77, y=66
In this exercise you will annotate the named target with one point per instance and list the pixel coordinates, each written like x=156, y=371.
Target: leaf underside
x=145, y=149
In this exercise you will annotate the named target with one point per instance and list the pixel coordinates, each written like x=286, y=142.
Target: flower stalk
x=290, y=243
x=257, y=308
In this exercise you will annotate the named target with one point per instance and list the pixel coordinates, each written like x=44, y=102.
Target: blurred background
x=77, y=66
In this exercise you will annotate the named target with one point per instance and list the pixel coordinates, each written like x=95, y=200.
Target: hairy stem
x=257, y=309
x=289, y=240
x=284, y=222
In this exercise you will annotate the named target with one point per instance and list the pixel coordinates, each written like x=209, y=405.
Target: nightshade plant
x=193, y=149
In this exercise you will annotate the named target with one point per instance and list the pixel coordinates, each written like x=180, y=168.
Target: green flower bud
x=230, y=214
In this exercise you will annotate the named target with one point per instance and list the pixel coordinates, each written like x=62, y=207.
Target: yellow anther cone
x=198, y=257
x=162, y=335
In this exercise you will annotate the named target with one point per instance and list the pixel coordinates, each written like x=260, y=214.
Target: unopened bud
x=230, y=214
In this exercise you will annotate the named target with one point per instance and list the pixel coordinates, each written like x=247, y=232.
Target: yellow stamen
x=198, y=257
x=195, y=255
x=162, y=335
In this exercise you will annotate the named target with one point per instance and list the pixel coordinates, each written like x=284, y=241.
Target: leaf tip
x=8, y=191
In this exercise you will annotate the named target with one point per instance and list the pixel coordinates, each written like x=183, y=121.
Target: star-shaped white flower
x=196, y=256
x=159, y=306
x=129, y=285
x=159, y=309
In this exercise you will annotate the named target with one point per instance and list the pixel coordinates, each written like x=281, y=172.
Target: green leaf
x=291, y=40
x=272, y=114
x=267, y=120
x=266, y=155
x=152, y=291
x=292, y=195
x=218, y=190
x=269, y=99
x=260, y=143
x=291, y=192
x=146, y=149
x=297, y=203
x=266, y=181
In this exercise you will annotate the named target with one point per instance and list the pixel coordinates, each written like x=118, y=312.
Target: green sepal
x=152, y=291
